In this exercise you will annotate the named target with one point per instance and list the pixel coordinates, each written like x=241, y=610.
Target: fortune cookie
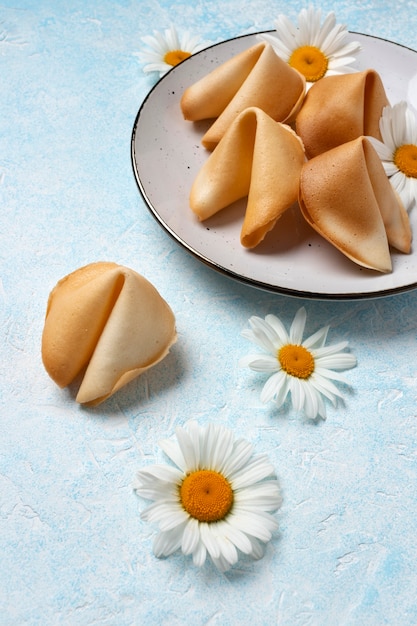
x=341, y=108
x=109, y=324
x=346, y=196
x=259, y=158
x=256, y=77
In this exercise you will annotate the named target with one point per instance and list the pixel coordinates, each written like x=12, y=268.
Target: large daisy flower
x=216, y=500
x=313, y=48
x=168, y=48
x=398, y=150
x=302, y=369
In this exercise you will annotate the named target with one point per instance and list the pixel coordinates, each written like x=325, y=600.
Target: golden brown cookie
x=256, y=77
x=340, y=108
x=346, y=196
x=108, y=323
x=259, y=158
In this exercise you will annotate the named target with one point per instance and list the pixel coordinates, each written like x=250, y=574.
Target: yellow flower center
x=309, y=61
x=405, y=158
x=173, y=57
x=296, y=360
x=206, y=495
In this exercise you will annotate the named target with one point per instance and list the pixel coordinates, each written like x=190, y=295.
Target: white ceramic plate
x=293, y=259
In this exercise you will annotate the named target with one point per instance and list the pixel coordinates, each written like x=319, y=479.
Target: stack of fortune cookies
x=277, y=145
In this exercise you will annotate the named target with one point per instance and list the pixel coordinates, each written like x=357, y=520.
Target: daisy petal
x=328, y=350
x=297, y=393
x=326, y=388
x=281, y=49
x=257, y=525
x=278, y=327
x=228, y=553
x=199, y=554
x=168, y=515
x=276, y=386
x=173, y=451
x=263, y=334
x=190, y=537
x=189, y=451
x=166, y=543
x=209, y=540
x=164, y=473
x=383, y=151
x=255, y=470
x=264, y=495
x=258, y=549
x=317, y=340
x=238, y=537
x=297, y=326
x=257, y=363
x=241, y=454
x=311, y=403
x=340, y=361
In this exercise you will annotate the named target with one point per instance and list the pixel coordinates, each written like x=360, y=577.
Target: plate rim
x=254, y=283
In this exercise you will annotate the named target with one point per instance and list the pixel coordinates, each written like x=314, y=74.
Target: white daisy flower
x=398, y=150
x=167, y=49
x=303, y=369
x=312, y=48
x=218, y=499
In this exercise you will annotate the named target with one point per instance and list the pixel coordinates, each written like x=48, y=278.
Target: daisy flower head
x=168, y=48
x=398, y=150
x=314, y=48
x=304, y=370
x=217, y=498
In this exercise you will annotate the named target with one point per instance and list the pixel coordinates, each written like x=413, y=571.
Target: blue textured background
x=73, y=548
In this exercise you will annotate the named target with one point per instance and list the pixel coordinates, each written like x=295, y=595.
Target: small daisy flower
x=302, y=369
x=398, y=150
x=167, y=49
x=312, y=48
x=218, y=499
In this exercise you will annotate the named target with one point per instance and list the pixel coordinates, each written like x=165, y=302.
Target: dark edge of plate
x=229, y=273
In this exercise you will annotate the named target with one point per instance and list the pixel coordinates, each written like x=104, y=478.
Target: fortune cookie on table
x=108, y=323
x=341, y=108
x=256, y=77
x=259, y=158
x=346, y=196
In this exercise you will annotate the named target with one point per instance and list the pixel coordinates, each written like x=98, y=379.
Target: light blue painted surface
x=73, y=548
